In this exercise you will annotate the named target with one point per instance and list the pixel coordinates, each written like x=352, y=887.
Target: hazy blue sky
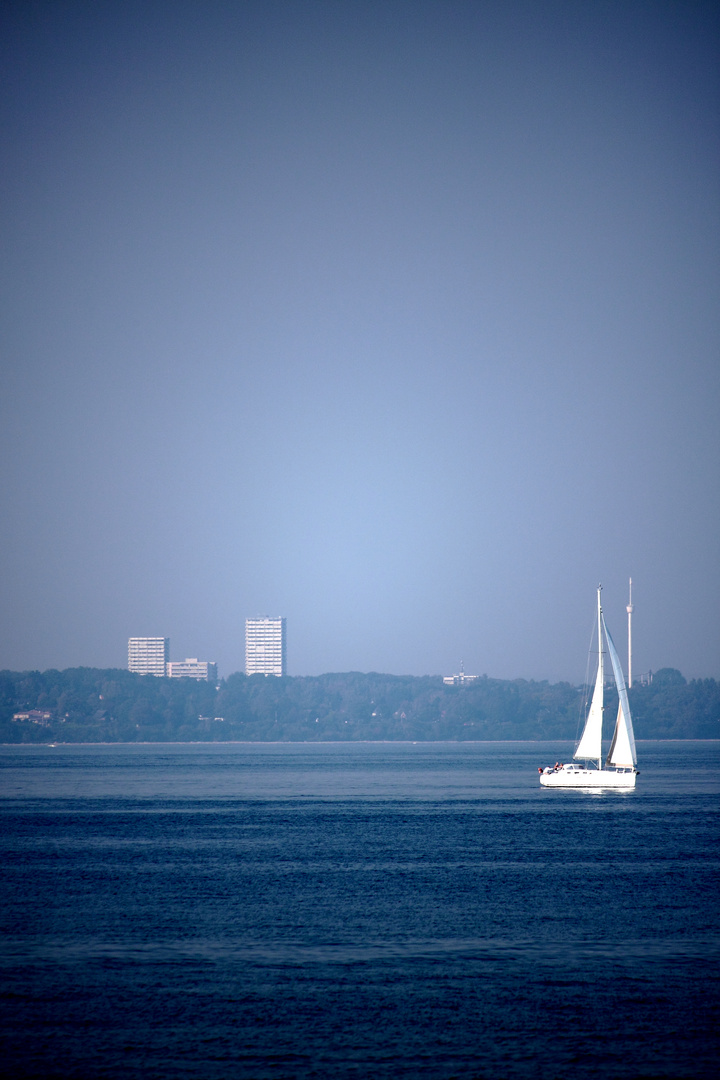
x=399, y=319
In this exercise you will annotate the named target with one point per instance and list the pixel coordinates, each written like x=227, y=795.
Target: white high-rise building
x=148, y=655
x=265, y=646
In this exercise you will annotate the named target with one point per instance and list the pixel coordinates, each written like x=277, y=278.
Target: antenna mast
x=630, y=611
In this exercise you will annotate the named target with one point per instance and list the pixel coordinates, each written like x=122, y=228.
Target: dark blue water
x=356, y=911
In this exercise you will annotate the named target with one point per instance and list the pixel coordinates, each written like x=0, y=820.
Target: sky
x=398, y=319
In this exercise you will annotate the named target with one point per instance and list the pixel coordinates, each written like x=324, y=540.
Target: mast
x=601, y=671
x=590, y=746
x=629, y=614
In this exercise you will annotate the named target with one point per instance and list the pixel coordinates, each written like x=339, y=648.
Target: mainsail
x=622, y=748
x=590, y=745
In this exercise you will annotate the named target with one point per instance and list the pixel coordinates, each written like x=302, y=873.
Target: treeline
x=91, y=705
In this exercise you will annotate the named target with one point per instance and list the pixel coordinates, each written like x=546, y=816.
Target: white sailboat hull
x=577, y=777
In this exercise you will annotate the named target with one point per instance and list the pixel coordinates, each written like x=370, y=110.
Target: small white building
x=192, y=668
x=459, y=680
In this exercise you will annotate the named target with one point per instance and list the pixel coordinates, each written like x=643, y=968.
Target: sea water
x=356, y=910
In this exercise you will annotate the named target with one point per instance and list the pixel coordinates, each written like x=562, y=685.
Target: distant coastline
x=92, y=706
x=329, y=742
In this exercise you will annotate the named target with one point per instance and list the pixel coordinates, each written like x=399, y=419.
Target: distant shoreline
x=88, y=705
x=335, y=742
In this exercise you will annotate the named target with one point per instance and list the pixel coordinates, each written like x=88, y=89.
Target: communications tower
x=630, y=611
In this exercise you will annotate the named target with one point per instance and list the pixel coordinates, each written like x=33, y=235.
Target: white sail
x=622, y=749
x=620, y=752
x=590, y=745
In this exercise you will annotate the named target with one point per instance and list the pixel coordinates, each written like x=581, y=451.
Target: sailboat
x=620, y=769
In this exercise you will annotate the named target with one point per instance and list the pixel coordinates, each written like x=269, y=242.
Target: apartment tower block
x=148, y=655
x=265, y=646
